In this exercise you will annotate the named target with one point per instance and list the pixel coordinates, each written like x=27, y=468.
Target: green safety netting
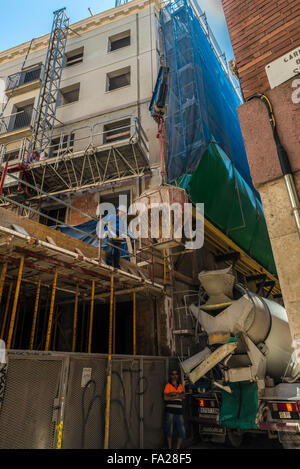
x=230, y=204
x=239, y=409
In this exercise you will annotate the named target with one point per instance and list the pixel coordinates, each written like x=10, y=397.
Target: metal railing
x=80, y=138
x=97, y=135
x=25, y=76
x=15, y=121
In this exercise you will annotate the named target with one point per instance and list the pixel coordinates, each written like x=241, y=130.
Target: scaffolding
x=44, y=120
x=86, y=161
x=42, y=259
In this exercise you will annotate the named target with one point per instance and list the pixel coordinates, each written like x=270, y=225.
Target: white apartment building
x=104, y=139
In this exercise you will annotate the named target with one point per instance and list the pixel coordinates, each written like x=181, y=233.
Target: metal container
x=263, y=321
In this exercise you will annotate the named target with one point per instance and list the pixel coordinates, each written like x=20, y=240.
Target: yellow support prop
x=15, y=304
x=91, y=317
x=6, y=309
x=134, y=323
x=36, y=307
x=3, y=275
x=75, y=319
x=50, y=320
x=108, y=385
x=114, y=327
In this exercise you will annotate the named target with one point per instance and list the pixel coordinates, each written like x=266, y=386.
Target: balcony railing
x=21, y=78
x=15, y=121
x=86, y=156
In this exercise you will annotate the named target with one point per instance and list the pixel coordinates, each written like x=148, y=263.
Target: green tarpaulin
x=230, y=204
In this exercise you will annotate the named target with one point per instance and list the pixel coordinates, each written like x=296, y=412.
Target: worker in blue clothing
x=113, y=230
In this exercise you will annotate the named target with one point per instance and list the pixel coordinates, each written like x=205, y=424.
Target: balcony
x=24, y=81
x=89, y=156
x=17, y=125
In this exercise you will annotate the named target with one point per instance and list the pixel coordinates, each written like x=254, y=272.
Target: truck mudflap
x=239, y=409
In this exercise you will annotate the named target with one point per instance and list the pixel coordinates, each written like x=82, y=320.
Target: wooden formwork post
x=114, y=327
x=75, y=319
x=6, y=310
x=91, y=317
x=15, y=304
x=35, y=313
x=108, y=384
x=165, y=268
x=50, y=320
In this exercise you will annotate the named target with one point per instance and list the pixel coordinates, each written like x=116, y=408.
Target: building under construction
x=137, y=101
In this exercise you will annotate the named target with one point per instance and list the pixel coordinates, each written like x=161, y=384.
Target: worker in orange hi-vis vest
x=173, y=396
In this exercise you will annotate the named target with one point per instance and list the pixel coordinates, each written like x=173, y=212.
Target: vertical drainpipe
x=283, y=161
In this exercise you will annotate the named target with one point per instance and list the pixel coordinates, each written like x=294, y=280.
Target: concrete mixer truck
x=246, y=378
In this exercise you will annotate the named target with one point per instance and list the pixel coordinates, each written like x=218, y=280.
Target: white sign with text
x=284, y=68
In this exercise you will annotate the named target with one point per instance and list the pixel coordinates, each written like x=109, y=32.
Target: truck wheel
x=234, y=437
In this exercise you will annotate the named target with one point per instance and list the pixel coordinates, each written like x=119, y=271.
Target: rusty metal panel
x=32, y=384
x=153, y=404
x=69, y=390
x=85, y=404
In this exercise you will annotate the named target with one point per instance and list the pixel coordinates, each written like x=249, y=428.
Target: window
x=118, y=41
x=70, y=94
x=74, y=57
x=61, y=143
x=21, y=117
x=12, y=156
x=31, y=74
x=113, y=198
x=116, y=131
x=118, y=79
x=25, y=76
x=58, y=213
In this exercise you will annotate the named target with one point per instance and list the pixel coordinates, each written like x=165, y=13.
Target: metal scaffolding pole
x=6, y=310
x=50, y=320
x=49, y=92
x=109, y=370
x=15, y=304
x=75, y=319
x=35, y=313
x=114, y=327
x=91, y=317
x=3, y=274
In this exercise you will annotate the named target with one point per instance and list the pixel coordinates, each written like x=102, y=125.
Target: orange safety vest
x=170, y=388
x=174, y=406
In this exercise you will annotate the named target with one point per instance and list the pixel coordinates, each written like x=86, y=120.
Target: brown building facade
x=261, y=32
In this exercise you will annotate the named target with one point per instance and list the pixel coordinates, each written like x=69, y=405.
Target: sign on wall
x=284, y=68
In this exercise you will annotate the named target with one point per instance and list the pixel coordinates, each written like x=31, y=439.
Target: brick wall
x=261, y=31
x=86, y=202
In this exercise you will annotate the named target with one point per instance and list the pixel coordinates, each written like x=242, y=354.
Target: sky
x=21, y=20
